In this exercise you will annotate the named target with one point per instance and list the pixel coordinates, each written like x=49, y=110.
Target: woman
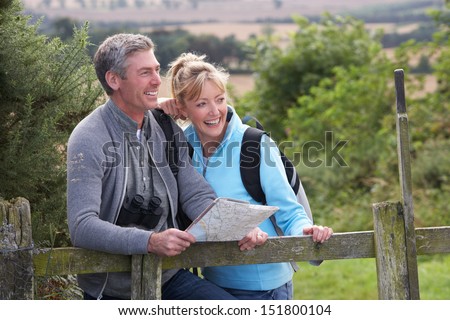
x=215, y=133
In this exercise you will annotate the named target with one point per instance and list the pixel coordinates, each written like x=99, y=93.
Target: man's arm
x=85, y=199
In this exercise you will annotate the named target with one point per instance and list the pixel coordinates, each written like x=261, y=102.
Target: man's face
x=138, y=92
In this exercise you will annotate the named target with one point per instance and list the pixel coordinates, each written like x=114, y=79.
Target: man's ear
x=112, y=79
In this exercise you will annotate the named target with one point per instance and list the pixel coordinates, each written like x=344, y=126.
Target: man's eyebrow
x=150, y=68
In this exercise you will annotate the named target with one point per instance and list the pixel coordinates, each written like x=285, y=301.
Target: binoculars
x=135, y=213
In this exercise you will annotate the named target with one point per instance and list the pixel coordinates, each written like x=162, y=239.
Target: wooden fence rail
x=20, y=262
x=394, y=243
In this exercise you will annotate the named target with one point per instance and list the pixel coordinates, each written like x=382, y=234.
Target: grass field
x=243, y=30
x=155, y=11
x=356, y=279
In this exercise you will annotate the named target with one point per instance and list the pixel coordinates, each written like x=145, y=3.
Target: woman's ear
x=112, y=79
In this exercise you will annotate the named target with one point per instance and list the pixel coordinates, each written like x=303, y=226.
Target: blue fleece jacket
x=222, y=171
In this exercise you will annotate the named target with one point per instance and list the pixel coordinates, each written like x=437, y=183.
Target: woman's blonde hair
x=189, y=72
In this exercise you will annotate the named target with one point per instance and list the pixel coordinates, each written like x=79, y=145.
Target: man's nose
x=156, y=79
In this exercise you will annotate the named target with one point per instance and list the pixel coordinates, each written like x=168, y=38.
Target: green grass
x=434, y=277
x=356, y=279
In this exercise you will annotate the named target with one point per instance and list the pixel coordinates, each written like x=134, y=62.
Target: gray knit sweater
x=96, y=181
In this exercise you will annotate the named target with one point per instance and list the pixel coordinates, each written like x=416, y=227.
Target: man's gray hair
x=112, y=55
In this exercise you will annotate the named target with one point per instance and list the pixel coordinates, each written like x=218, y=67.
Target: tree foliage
x=46, y=87
x=285, y=73
x=330, y=92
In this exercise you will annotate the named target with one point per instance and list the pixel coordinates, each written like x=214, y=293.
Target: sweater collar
x=125, y=122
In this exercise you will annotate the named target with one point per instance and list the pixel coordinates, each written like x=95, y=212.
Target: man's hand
x=254, y=238
x=319, y=233
x=170, y=242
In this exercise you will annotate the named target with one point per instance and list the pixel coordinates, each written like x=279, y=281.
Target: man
x=122, y=196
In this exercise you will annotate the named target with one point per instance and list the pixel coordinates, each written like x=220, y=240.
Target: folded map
x=228, y=219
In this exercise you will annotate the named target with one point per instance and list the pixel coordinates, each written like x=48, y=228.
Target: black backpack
x=250, y=165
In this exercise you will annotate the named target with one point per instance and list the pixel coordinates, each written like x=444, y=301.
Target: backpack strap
x=190, y=150
x=255, y=137
x=291, y=173
x=171, y=148
x=246, y=119
x=172, y=158
x=250, y=163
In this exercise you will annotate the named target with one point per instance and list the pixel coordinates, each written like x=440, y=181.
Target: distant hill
x=183, y=11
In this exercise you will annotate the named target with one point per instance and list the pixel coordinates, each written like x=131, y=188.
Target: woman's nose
x=214, y=109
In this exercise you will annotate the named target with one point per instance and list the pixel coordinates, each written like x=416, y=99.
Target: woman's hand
x=319, y=233
x=254, y=238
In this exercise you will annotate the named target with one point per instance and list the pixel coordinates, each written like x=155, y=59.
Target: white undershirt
x=138, y=134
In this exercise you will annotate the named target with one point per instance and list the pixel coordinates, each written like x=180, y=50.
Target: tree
x=430, y=116
x=46, y=87
x=345, y=129
x=328, y=98
x=284, y=74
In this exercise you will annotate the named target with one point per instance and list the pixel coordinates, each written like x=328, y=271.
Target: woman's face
x=208, y=113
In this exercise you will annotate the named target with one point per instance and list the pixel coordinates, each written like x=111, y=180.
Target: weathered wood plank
x=136, y=276
x=341, y=246
x=63, y=261
x=146, y=277
x=433, y=240
x=404, y=169
x=151, y=278
x=350, y=245
x=16, y=260
x=390, y=249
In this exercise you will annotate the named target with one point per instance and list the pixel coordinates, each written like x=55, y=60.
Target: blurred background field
x=188, y=11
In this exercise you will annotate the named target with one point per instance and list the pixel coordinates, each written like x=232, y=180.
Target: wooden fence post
x=390, y=252
x=146, y=271
x=404, y=168
x=16, y=250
